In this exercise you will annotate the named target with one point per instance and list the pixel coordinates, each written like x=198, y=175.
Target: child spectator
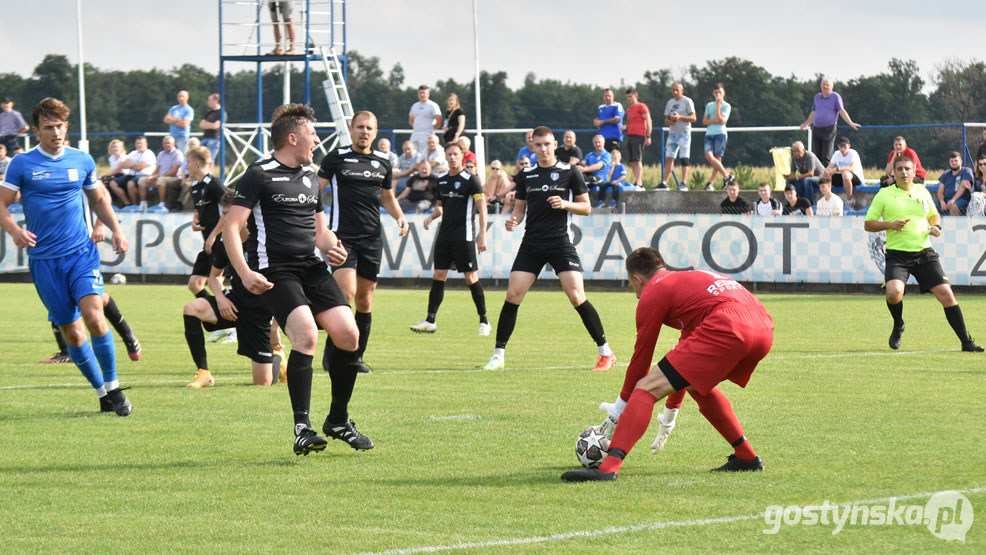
x=614, y=180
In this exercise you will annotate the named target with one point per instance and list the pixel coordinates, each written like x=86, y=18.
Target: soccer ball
x=591, y=447
x=118, y=279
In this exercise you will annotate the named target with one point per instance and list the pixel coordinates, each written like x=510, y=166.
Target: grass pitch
x=470, y=461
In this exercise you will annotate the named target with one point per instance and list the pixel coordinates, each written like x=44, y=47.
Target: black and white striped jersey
x=456, y=193
x=356, y=180
x=283, y=202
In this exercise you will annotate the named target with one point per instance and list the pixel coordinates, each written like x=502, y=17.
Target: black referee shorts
x=203, y=264
x=456, y=255
x=303, y=283
x=923, y=265
x=252, y=324
x=364, y=255
x=561, y=255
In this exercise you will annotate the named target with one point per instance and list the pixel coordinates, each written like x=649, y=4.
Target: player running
x=725, y=332
x=361, y=183
x=278, y=198
x=458, y=192
x=234, y=308
x=64, y=262
x=549, y=193
x=909, y=217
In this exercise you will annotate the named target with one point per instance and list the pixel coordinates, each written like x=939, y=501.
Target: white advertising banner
x=788, y=249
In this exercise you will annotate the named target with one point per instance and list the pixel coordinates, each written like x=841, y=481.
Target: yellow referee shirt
x=892, y=204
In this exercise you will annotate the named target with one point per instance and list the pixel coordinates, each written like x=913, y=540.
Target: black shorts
x=306, y=282
x=612, y=144
x=455, y=255
x=560, y=254
x=364, y=256
x=837, y=180
x=635, y=148
x=923, y=265
x=203, y=264
x=252, y=324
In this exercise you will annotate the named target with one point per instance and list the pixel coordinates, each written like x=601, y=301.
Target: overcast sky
x=601, y=42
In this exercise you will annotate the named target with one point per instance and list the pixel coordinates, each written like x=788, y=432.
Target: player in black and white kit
x=459, y=195
x=234, y=308
x=207, y=192
x=549, y=192
x=279, y=200
x=361, y=180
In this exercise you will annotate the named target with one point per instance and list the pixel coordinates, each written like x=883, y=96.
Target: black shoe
x=588, y=475
x=734, y=464
x=307, y=441
x=347, y=432
x=118, y=402
x=57, y=358
x=363, y=368
x=970, y=346
x=104, y=404
x=895, y=337
x=133, y=347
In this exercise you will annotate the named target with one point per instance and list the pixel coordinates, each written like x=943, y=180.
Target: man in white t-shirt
x=828, y=204
x=766, y=205
x=424, y=118
x=845, y=167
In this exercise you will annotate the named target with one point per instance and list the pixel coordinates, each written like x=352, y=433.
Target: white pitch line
x=636, y=527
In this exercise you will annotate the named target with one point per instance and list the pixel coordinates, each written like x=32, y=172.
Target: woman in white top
x=117, y=154
x=845, y=167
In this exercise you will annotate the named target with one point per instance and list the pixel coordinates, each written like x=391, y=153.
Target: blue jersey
x=181, y=112
x=593, y=158
x=611, y=130
x=51, y=193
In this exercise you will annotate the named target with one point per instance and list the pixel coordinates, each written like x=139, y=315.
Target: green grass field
x=470, y=461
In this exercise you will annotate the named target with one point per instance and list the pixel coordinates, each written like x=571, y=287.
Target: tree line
x=136, y=101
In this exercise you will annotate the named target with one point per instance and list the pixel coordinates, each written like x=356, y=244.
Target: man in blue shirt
x=954, y=187
x=179, y=120
x=608, y=118
x=64, y=262
x=596, y=164
x=526, y=151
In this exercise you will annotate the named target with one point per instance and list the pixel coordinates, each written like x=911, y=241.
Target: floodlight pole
x=83, y=140
x=480, y=146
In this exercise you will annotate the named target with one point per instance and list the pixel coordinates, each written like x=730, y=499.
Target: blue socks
x=84, y=358
x=106, y=355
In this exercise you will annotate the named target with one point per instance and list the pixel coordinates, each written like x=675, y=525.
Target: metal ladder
x=337, y=95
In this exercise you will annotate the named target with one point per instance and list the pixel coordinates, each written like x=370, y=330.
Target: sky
x=610, y=42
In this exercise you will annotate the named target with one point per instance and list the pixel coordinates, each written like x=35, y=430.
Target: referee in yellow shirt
x=908, y=215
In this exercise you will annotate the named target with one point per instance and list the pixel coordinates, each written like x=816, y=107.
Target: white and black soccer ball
x=591, y=447
x=118, y=279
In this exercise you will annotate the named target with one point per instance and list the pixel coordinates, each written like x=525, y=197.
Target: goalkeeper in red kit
x=725, y=332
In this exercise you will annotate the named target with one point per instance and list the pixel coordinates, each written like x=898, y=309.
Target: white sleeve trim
x=10, y=186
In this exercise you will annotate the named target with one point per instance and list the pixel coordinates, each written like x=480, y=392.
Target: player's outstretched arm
x=255, y=282
x=99, y=199
x=389, y=202
x=22, y=237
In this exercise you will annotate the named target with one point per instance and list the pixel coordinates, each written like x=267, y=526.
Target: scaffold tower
x=247, y=35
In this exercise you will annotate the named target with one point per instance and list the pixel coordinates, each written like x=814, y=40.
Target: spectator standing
x=954, y=187
x=211, y=124
x=901, y=149
x=805, y=171
x=455, y=119
x=596, y=163
x=608, y=118
x=12, y=124
x=733, y=203
x=679, y=113
x=794, y=204
x=845, y=167
x=828, y=204
x=165, y=177
x=715, y=118
x=435, y=155
x=568, y=152
x=825, y=111
x=424, y=118
x=527, y=151
x=179, y=120
x=767, y=205
x=639, y=128
x=284, y=7
x=419, y=195
x=406, y=165
x=614, y=180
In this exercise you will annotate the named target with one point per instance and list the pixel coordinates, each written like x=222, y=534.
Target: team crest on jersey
x=457, y=184
x=374, y=163
x=554, y=176
x=306, y=181
x=73, y=174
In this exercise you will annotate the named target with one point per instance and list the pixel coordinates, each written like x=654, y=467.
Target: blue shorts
x=61, y=282
x=678, y=145
x=717, y=144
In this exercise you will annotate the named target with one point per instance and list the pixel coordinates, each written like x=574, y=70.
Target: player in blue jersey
x=64, y=262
